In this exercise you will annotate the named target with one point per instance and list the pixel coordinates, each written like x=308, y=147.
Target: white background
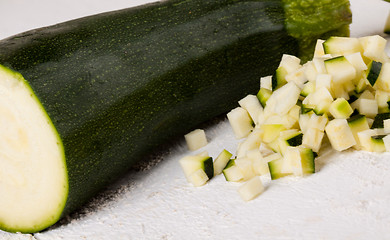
x=348, y=197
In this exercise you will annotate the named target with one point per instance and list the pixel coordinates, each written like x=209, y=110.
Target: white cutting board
x=348, y=198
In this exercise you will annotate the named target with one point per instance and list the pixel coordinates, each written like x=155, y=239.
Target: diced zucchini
x=198, y=178
x=319, y=48
x=191, y=164
x=289, y=138
x=313, y=139
x=319, y=65
x=304, y=121
x=317, y=122
x=263, y=96
x=298, y=77
x=382, y=98
x=386, y=126
x=290, y=63
x=251, y=142
x=307, y=160
x=386, y=142
x=377, y=143
x=358, y=123
x=196, y=139
x=279, y=78
x=340, y=108
x=251, y=189
x=374, y=47
x=342, y=45
x=324, y=80
x=246, y=168
x=240, y=121
x=221, y=161
x=308, y=88
x=378, y=120
x=339, y=134
x=373, y=71
x=232, y=173
x=266, y=82
x=310, y=71
x=275, y=169
x=283, y=99
x=271, y=131
x=340, y=69
x=361, y=84
x=252, y=105
x=368, y=107
x=357, y=61
x=295, y=112
x=368, y=143
x=383, y=81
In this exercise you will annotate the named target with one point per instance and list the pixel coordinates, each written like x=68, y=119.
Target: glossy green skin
x=117, y=85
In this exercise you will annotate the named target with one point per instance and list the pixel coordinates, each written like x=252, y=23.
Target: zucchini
x=105, y=90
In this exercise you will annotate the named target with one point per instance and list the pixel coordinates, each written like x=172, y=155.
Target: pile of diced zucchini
x=342, y=94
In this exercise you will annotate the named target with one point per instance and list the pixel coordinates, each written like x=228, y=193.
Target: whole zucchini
x=83, y=100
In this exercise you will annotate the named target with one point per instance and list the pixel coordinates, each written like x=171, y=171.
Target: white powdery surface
x=346, y=199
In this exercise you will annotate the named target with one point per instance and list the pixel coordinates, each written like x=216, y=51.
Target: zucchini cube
x=340, y=134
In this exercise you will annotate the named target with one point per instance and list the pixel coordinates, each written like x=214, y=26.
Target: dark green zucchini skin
x=116, y=85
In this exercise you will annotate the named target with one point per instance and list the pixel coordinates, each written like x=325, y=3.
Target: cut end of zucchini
x=33, y=177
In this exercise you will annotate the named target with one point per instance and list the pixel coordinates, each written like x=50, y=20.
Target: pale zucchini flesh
x=33, y=176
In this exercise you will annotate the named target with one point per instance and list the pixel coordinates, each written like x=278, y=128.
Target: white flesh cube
x=196, y=139
x=386, y=141
x=368, y=107
x=297, y=76
x=310, y=71
x=304, y=121
x=251, y=189
x=319, y=48
x=340, y=108
x=365, y=139
x=233, y=174
x=198, y=178
x=273, y=156
x=386, y=126
x=292, y=161
x=382, y=98
x=357, y=61
x=324, y=80
x=266, y=82
x=240, y=121
x=357, y=126
x=290, y=63
x=271, y=131
x=191, y=164
x=339, y=91
x=221, y=161
x=265, y=150
x=374, y=47
x=294, y=112
x=252, y=105
x=317, y=122
x=283, y=99
x=319, y=65
x=251, y=142
x=339, y=134
x=260, y=166
x=383, y=81
x=245, y=165
x=313, y=139
x=340, y=69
